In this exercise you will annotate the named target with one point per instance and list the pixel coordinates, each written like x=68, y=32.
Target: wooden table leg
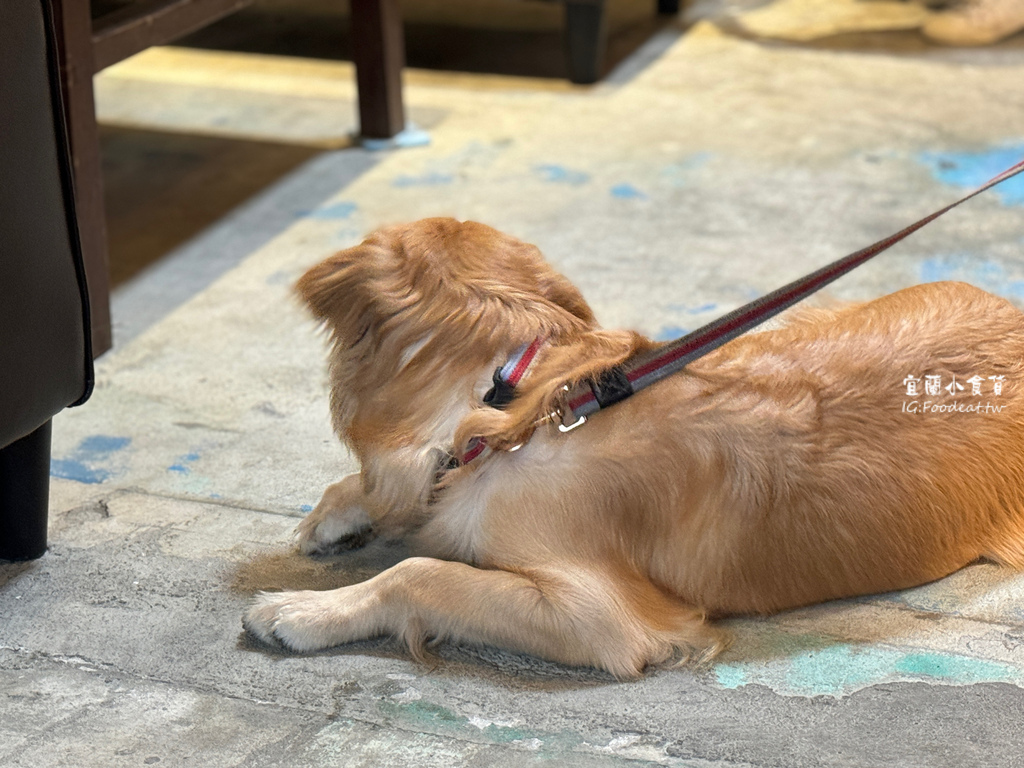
x=378, y=49
x=74, y=42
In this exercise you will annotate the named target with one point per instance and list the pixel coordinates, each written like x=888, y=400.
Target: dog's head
x=418, y=310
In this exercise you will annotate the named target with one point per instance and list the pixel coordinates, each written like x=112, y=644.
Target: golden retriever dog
x=814, y=461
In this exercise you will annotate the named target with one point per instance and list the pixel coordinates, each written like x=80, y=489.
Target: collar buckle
x=570, y=427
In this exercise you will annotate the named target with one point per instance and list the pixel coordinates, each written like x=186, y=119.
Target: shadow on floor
x=163, y=189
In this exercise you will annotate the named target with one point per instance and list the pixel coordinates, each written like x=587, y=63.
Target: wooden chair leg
x=378, y=49
x=586, y=38
x=25, y=495
x=75, y=52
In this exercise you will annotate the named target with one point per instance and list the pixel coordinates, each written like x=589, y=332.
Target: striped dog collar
x=505, y=380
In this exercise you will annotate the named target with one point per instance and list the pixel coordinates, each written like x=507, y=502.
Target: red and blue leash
x=645, y=369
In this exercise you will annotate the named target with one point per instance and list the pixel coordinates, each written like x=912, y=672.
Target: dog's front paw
x=296, y=621
x=331, y=534
x=338, y=523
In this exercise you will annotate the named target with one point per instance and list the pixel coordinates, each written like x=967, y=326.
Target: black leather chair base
x=25, y=495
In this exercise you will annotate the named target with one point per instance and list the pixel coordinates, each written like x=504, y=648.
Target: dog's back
x=798, y=465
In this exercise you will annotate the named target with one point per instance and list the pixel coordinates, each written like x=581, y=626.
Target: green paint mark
x=430, y=714
x=963, y=669
x=433, y=718
x=438, y=718
x=836, y=670
x=731, y=675
x=840, y=669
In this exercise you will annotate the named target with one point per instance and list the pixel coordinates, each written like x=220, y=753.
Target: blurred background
x=190, y=133
x=196, y=157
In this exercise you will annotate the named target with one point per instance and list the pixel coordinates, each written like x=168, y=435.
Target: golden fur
x=778, y=471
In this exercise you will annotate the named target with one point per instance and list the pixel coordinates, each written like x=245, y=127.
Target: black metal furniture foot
x=25, y=495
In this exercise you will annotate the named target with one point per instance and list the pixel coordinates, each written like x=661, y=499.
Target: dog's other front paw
x=340, y=522
x=311, y=620
x=334, y=534
x=260, y=619
x=286, y=620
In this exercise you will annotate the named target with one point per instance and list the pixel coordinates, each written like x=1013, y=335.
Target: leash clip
x=578, y=423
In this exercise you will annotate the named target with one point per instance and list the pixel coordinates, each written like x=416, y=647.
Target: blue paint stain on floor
x=969, y=170
x=280, y=277
x=181, y=463
x=989, y=275
x=101, y=446
x=69, y=469
x=558, y=174
x=690, y=310
x=626, y=191
x=702, y=309
x=86, y=462
x=334, y=212
x=431, y=179
x=348, y=236
x=306, y=508
x=670, y=333
x=678, y=174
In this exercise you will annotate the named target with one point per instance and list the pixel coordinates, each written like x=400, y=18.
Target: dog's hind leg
x=339, y=522
x=571, y=614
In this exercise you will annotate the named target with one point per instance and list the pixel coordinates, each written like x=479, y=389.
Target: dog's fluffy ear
x=457, y=265
x=336, y=290
x=324, y=286
x=558, y=290
x=529, y=271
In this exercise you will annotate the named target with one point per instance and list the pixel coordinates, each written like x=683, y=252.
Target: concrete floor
x=707, y=169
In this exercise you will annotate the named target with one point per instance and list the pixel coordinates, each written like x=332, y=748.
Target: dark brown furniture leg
x=378, y=49
x=74, y=41
x=586, y=37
